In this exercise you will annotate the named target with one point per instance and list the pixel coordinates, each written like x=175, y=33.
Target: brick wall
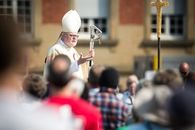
x=53, y=10
x=131, y=11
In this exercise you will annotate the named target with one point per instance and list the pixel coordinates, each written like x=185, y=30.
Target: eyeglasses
x=73, y=35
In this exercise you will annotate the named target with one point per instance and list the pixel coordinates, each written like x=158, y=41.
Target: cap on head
x=71, y=21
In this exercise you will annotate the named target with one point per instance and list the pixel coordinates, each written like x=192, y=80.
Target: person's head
x=181, y=110
x=109, y=78
x=184, y=69
x=71, y=23
x=11, y=54
x=132, y=82
x=70, y=38
x=34, y=85
x=94, y=75
x=75, y=87
x=58, y=71
x=169, y=77
x=150, y=104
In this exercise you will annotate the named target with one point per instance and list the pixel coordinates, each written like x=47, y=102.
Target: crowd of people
x=63, y=100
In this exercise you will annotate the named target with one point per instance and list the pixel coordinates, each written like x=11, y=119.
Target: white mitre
x=71, y=21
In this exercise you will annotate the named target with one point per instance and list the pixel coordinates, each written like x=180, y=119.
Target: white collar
x=63, y=44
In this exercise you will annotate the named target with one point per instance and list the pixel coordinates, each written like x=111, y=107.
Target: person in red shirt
x=64, y=93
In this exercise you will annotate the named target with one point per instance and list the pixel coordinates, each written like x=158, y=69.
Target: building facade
x=128, y=26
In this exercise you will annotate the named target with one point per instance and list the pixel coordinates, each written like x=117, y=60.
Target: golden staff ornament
x=159, y=4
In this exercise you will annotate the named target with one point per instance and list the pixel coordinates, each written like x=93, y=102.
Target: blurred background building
x=129, y=31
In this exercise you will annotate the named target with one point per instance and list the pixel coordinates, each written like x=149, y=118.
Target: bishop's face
x=70, y=39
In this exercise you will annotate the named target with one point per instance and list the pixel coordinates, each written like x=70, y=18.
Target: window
x=173, y=21
x=21, y=10
x=95, y=14
x=101, y=23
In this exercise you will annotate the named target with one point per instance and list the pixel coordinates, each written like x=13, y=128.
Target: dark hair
x=11, y=44
x=181, y=110
x=56, y=77
x=109, y=78
x=85, y=93
x=94, y=74
x=190, y=81
x=35, y=85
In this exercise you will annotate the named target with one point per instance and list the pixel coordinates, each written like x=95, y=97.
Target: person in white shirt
x=68, y=38
x=129, y=95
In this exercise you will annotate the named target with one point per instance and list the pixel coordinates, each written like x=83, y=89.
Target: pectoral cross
x=159, y=4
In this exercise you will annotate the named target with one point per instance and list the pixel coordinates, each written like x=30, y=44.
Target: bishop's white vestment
x=61, y=48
